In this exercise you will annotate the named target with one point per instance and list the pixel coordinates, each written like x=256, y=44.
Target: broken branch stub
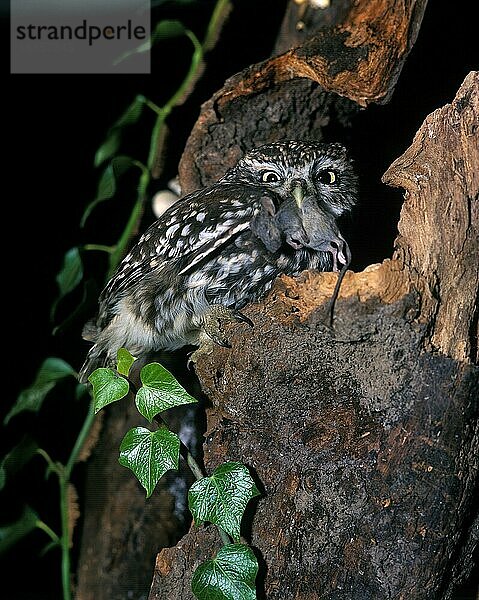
x=439, y=224
x=294, y=95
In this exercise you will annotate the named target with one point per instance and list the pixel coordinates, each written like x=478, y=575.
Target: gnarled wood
x=366, y=437
x=439, y=231
x=355, y=63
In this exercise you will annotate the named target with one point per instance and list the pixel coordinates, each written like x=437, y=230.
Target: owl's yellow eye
x=269, y=177
x=328, y=177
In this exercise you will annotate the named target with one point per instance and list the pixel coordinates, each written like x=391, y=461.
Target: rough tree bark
x=366, y=437
x=108, y=536
x=354, y=61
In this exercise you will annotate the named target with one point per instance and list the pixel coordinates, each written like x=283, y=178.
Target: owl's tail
x=97, y=357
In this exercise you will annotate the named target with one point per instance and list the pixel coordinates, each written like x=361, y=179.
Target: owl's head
x=317, y=169
x=306, y=187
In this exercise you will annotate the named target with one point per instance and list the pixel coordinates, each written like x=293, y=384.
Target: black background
x=52, y=126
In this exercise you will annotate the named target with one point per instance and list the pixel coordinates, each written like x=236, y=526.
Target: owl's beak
x=298, y=195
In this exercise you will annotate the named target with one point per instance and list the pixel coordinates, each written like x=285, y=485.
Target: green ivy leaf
x=160, y=391
x=50, y=373
x=108, y=387
x=164, y=30
x=18, y=456
x=109, y=147
x=89, y=294
x=13, y=532
x=113, y=138
x=71, y=272
x=150, y=454
x=124, y=360
x=69, y=276
x=107, y=184
x=222, y=498
x=168, y=29
x=229, y=576
x=132, y=113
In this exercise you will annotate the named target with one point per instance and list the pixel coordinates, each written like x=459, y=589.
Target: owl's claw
x=215, y=318
x=205, y=349
x=212, y=330
x=241, y=318
x=220, y=341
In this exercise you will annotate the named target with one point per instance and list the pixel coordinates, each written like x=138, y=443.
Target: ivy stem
x=191, y=462
x=64, y=481
x=151, y=105
x=199, y=474
x=50, y=462
x=65, y=538
x=80, y=441
x=48, y=530
x=220, y=11
x=133, y=221
x=162, y=112
x=64, y=472
x=99, y=248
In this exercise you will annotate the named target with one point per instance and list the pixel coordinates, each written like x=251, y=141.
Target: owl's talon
x=205, y=349
x=214, y=319
x=239, y=316
x=220, y=341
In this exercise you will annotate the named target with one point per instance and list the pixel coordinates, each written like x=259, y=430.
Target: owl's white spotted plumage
x=221, y=247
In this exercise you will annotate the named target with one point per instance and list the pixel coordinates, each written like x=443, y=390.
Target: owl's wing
x=191, y=230
x=235, y=208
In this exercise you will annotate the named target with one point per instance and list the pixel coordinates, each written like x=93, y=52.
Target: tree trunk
x=122, y=530
x=365, y=438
